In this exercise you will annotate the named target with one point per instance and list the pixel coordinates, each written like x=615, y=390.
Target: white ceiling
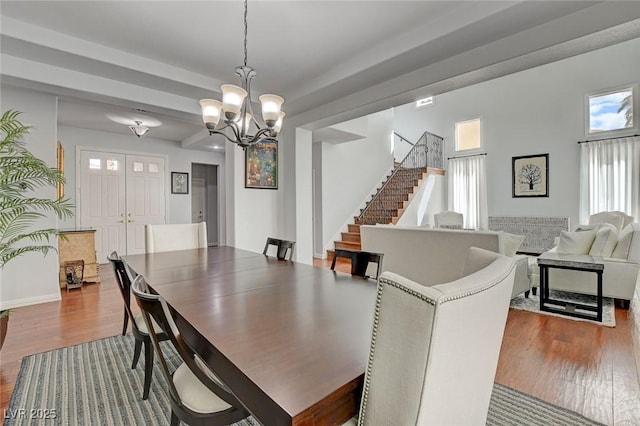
x=109, y=58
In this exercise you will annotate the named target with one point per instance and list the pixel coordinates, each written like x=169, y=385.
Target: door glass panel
x=95, y=163
x=153, y=168
x=138, y=167
x=112, y=165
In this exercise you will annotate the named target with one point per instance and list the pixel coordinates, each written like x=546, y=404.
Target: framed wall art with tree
x=530, y=176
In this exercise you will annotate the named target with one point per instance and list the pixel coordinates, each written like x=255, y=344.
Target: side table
x=575, y=263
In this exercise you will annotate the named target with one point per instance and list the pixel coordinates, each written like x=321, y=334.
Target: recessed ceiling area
x=331, y=60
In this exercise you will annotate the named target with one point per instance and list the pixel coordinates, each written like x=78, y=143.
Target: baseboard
x=320, y=255
x=13, y=304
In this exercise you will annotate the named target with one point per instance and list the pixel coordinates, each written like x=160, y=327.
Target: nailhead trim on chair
x=376, y=320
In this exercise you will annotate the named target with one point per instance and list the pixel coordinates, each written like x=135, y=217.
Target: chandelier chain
x=245, y=33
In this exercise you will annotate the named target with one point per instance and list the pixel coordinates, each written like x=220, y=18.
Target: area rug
x=93, y=384
x=532, y=304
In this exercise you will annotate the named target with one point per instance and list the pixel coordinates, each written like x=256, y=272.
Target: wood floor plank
x=583, y=367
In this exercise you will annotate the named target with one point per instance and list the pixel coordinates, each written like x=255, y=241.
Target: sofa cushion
x=510, y=243
x=576, y=242
x=628, y=243
x=605, y=240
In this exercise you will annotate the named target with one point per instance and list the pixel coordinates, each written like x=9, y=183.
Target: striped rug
x=93, y=384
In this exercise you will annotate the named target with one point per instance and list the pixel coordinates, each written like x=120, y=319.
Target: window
x=610, y=177
x=112, y=165
x=468, y=135
x=424, y=102
x=95, y=164
x=611, y=111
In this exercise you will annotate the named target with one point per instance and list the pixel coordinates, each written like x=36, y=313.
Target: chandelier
x=236, y=112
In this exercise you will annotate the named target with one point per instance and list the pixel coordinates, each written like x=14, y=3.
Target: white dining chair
x=181, y=236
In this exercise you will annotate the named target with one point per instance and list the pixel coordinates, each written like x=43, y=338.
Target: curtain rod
x=465, y=156
x=606, y=139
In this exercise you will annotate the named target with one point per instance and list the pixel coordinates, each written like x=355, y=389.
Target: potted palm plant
x=21, y=173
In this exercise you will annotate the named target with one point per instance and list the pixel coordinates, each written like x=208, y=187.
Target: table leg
x=599, y=312
x=543, y=285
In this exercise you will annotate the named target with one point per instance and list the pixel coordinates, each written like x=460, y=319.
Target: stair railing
x=402, y=138
x=427, y=152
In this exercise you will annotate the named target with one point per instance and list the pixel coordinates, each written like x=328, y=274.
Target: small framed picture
x=179, y=183
x=530, y=176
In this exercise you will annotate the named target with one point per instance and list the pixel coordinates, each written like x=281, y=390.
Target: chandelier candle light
x=236, y=107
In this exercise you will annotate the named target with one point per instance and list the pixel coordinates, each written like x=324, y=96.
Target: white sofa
x=621, y=273
x=434, y=256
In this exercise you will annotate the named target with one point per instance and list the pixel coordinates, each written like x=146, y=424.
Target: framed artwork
x=179, y=183
x=530, y=176
x=261, y=166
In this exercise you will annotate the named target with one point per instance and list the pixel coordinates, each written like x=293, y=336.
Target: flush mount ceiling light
x=238, y=114
x=139, y=130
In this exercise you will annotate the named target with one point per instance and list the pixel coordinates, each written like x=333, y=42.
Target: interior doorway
x=205, y=199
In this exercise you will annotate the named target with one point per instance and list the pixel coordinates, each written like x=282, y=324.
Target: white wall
x=255, y=212
x=429, y=198
x=178, y=160
x=536, y=111
x=32, y=278
x=351, y=171
x=318, y=247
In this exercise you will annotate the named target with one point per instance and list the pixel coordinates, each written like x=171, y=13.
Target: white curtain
x=610, y=177
x=468, y=190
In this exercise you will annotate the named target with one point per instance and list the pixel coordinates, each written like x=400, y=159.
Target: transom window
x=611, y=111
x=468, y=135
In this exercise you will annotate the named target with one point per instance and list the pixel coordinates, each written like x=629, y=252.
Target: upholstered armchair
x=448, y=219
x=183, y=236
x=434, y=349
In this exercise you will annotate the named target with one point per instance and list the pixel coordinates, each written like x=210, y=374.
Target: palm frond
x=21, y=173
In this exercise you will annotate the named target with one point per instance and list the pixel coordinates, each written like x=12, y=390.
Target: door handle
x=131, y=220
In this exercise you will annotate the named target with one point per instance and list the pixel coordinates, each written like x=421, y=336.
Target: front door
x=119, y=194
x=145, y=198
x=102, y=200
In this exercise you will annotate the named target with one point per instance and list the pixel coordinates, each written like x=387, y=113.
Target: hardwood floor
x=583, y=367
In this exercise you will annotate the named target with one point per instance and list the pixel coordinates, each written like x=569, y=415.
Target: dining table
x=289, y=339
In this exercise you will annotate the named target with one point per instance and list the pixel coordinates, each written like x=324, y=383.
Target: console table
x=575, y=263
x=76, y=245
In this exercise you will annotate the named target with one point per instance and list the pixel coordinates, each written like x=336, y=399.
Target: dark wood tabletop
x=289, y=339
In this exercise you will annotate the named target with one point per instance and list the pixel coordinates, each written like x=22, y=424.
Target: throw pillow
x=478, y=259
x=576, y=242
x=625, y=239
x=605, y=240
x=509, y=243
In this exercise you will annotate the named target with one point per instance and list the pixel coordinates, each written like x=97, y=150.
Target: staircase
x=392, y=197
